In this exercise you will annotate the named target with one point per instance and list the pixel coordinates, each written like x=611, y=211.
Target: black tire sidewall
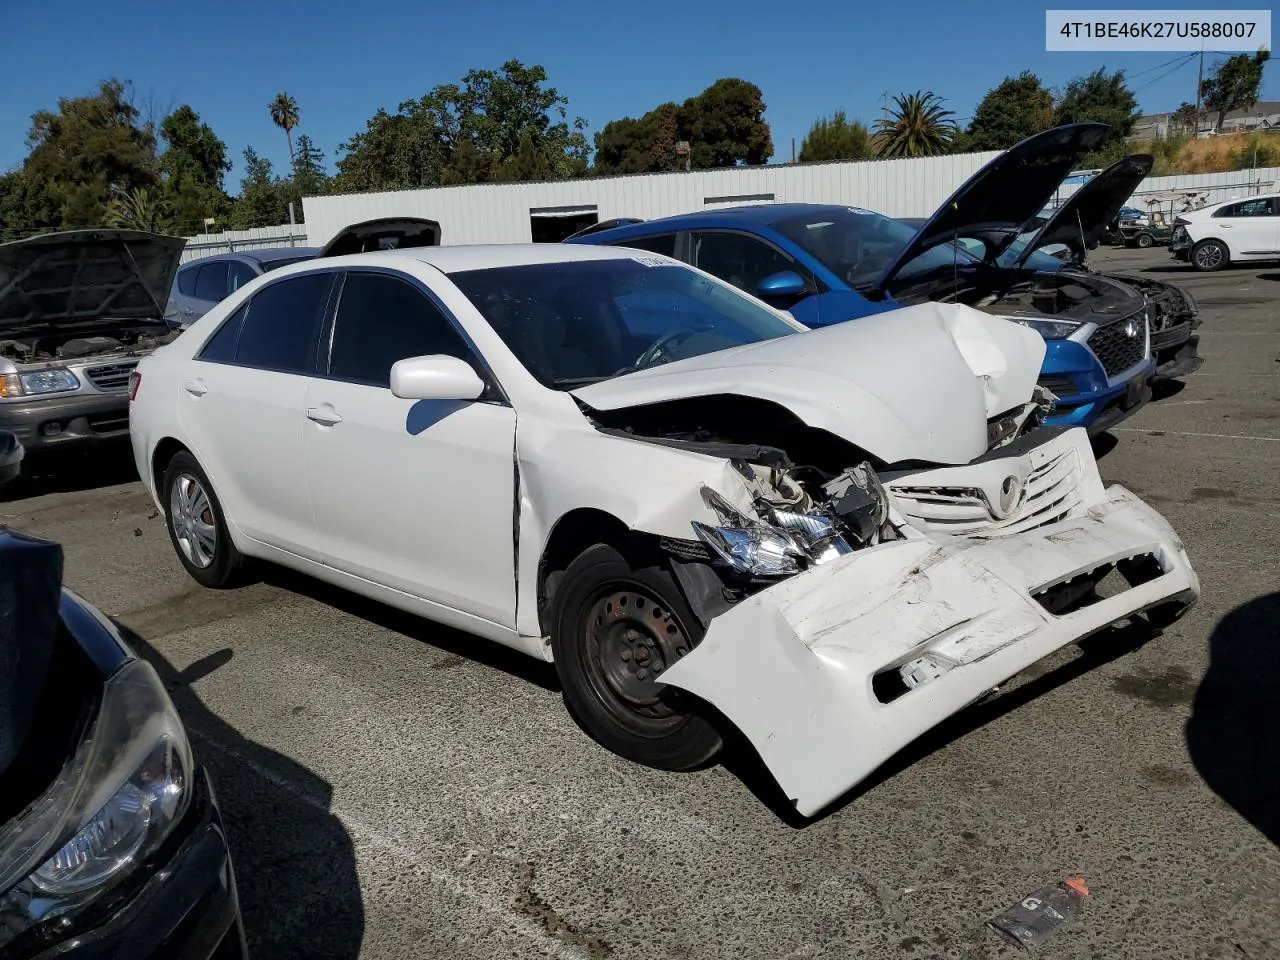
x=227, y=561
x=1144, y=241
x=694, y=740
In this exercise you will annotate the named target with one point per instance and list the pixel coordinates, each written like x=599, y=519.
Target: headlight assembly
x=790, y=543
x=37, y=382
x=113, y=804
x=1049, y=329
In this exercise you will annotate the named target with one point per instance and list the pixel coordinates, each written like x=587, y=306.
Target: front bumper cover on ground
x=793, y=666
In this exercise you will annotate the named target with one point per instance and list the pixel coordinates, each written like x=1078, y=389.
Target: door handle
x=324, y=415
x=195, y=387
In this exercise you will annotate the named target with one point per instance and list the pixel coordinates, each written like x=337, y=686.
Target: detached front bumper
x=798, y=667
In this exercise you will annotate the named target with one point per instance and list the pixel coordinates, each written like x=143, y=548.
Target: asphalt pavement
x=394, y=789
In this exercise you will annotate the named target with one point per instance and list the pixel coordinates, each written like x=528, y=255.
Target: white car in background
x=613, y=461
x=1235, y=231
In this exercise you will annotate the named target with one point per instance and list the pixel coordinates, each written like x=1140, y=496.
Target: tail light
x=135, y=381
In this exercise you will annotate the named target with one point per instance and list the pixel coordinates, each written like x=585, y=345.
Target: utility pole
x=1195, y=134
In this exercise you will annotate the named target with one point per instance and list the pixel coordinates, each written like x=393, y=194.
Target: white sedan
x=613, y=461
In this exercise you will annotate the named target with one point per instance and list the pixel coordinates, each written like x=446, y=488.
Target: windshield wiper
x=578, y=381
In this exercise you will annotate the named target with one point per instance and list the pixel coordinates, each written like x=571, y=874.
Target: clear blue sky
x=343, y=60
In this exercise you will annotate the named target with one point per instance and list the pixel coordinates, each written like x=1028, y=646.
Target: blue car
x=829, y=264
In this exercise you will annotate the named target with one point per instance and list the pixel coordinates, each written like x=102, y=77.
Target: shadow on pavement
x=1164, y=389
x=1273, y=277
x=742, y=760
x=1231, y=735
x=1103, y=444
x=452, y=642
x=104, y=465
x=294, y=861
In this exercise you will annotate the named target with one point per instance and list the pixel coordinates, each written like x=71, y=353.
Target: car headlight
x=792, y=542
x=1049, y=329
x=37, y=382
x=110, y=808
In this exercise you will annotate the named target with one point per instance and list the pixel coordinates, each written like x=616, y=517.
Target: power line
x=1184, y=61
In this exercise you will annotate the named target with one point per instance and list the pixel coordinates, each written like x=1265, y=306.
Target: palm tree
x=284, y=114
x=917, y=126
x=141, y=210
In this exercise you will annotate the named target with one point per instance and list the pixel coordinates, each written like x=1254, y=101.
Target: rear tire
x=1144, y=240
x=615, y=628
x=196, y=525
x=1210, y=255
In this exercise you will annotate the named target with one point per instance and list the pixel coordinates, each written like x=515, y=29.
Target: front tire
x=1210, y=255
x=196, y=525
x=1144, y=240
x=615, y=628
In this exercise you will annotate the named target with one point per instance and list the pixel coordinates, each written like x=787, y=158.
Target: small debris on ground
x=1038, y=915
x=137, y=531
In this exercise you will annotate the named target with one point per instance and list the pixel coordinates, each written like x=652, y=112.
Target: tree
x=309, y=177
x=1233, y=84
x=1184, y=118
x=26, y=206
x=1019, y=107
x=285, y=114
x=725, y=125
x=835, y=139
x=82, y=155
x=264, y=197
x=141, y=209
x=917, y=126
x=192, y=167
x=1102, y=97
x=468, y=132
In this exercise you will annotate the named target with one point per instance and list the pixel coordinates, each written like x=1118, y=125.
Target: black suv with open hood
x=78, y=309
x=111, y=843
x=1008, y=270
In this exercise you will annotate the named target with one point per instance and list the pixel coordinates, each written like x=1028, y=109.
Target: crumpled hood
x=917, y=383
x=80, y=275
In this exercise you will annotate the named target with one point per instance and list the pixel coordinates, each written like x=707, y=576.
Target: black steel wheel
x=1144, y=240
x=615, y=629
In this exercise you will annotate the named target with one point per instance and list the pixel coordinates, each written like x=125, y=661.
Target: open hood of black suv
x=386, y=233
x=1088, y=211
x=79, y=275
x=995, y=202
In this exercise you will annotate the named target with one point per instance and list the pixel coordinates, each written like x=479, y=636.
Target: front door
x=415, y=495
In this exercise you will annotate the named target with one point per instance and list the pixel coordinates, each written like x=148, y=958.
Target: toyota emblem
x=1010, y=495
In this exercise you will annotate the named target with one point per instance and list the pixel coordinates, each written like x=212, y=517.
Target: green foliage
x=724, y=126
x=1253, y=156
x=264, y=197
x=83, y=154
x=835, y=139
x=141, y=209
x=1165, y=152
x=1233, y=84
x=1019, y=107
x=917, y=126
x=192, y=167
x=1104, y=98
x=285, y=115
x=309, y=176
x=494, y=125
x=1184, y=118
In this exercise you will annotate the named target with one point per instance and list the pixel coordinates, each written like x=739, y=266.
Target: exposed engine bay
x=92, y=341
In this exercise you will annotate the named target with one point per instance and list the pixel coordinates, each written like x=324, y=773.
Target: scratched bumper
x=795, y=666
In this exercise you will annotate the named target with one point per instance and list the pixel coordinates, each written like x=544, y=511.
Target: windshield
x=587, y=320
x=859, y=245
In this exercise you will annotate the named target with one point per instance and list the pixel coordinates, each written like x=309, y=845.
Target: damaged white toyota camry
x=835, y=538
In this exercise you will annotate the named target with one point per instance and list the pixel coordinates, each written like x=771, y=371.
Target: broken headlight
x=786, y=545
x=1049, y=329
x=110, y=808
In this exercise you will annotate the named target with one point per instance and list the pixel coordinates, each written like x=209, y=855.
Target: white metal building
x=550, y=210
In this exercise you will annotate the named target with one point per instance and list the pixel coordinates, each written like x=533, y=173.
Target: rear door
x=242, y=403
x=415, y=495
x=1251, y=228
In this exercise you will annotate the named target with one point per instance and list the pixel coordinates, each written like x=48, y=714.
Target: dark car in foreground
x=78, y=309
x=111, y=842
x=830, y=264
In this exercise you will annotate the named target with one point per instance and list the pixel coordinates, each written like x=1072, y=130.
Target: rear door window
x=187, y=281
x=239, y=274
x=740, y=260
x=282, y=328
x=664, y=243
x=211, y=281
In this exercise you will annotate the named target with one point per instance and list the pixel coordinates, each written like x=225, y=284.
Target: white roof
x=455, y=259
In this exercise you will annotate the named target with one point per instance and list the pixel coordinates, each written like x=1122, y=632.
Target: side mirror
x=435, y=377
x=785, y=283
